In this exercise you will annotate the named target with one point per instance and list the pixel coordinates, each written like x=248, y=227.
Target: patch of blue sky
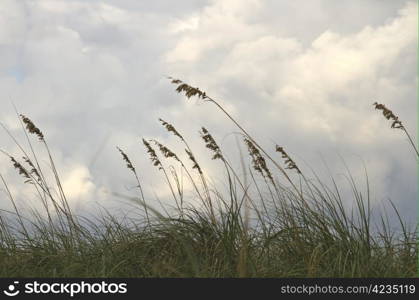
x=17, y=72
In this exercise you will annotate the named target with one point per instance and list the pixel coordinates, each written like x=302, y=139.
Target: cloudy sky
x=302, y=74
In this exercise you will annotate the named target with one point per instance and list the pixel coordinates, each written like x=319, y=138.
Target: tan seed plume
x=171, y=128
x=288, y=161
x=389, y=115
x=127, y=160
x=30, y=126
x=211, y=144
x=153, y=156
x=259, y=163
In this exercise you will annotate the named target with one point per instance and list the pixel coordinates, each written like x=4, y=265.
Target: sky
x=300, y=74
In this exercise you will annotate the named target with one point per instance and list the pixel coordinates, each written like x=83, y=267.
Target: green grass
x=260, y=224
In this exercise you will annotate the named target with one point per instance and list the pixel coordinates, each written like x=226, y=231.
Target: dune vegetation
x=263, y=224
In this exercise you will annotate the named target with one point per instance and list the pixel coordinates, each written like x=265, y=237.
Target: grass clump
x=263, y=224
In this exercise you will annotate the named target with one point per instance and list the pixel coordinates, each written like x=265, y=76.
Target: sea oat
x=30, y=126
x=192, y=158
x=165, y=151
x=187, y=89
x=153, y=156
x=22, y=170
x=288, y=161
x=389, y=115
x=211, y=144
x=127, y=160
x=191, y=91
x=259, y=163
x=33, y=169
x=171, y=128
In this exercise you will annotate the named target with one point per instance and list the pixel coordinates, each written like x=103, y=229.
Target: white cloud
x=220, y=25
x=302, y=74
x=304, y=80
x=319, y=94
x=179, y=25
x=77, y=183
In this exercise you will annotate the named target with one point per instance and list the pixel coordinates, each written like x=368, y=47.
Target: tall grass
x=264, y=224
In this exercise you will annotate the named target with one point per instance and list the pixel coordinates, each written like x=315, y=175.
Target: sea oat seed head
x=127, y=160
x=22, y=171
x=192, y=158
x=171, y=128
x=389, y=115
x=30, y=126
x=211, y=144
x=165, y=151
x=259, y=163
x=153, y=156
x=187, y=89
x=33, y=169
x=288, y=161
